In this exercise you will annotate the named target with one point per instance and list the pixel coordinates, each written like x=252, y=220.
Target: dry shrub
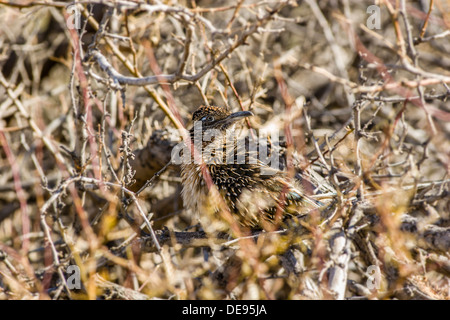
x=89, y=115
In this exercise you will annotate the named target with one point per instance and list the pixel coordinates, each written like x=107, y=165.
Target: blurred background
x=363, y=87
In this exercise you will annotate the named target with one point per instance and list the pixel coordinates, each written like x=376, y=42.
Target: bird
x=253, y=192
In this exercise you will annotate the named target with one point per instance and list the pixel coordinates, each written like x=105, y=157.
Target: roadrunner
x=255, y=194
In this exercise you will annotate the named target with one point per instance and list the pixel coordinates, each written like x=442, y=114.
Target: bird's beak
x=238, y=116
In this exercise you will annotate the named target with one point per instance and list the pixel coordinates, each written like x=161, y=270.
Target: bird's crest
x=209, y=114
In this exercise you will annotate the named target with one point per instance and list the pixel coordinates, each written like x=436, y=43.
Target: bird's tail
x=297, y=196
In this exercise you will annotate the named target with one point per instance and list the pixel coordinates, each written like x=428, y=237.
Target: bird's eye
x=208, y=118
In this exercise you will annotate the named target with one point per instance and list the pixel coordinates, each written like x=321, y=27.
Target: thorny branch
x=89, y=118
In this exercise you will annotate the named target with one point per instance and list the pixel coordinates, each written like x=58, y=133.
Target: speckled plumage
x=252, y=191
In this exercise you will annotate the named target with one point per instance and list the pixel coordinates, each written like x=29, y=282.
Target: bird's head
x=212, y=117
x=213, y=130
